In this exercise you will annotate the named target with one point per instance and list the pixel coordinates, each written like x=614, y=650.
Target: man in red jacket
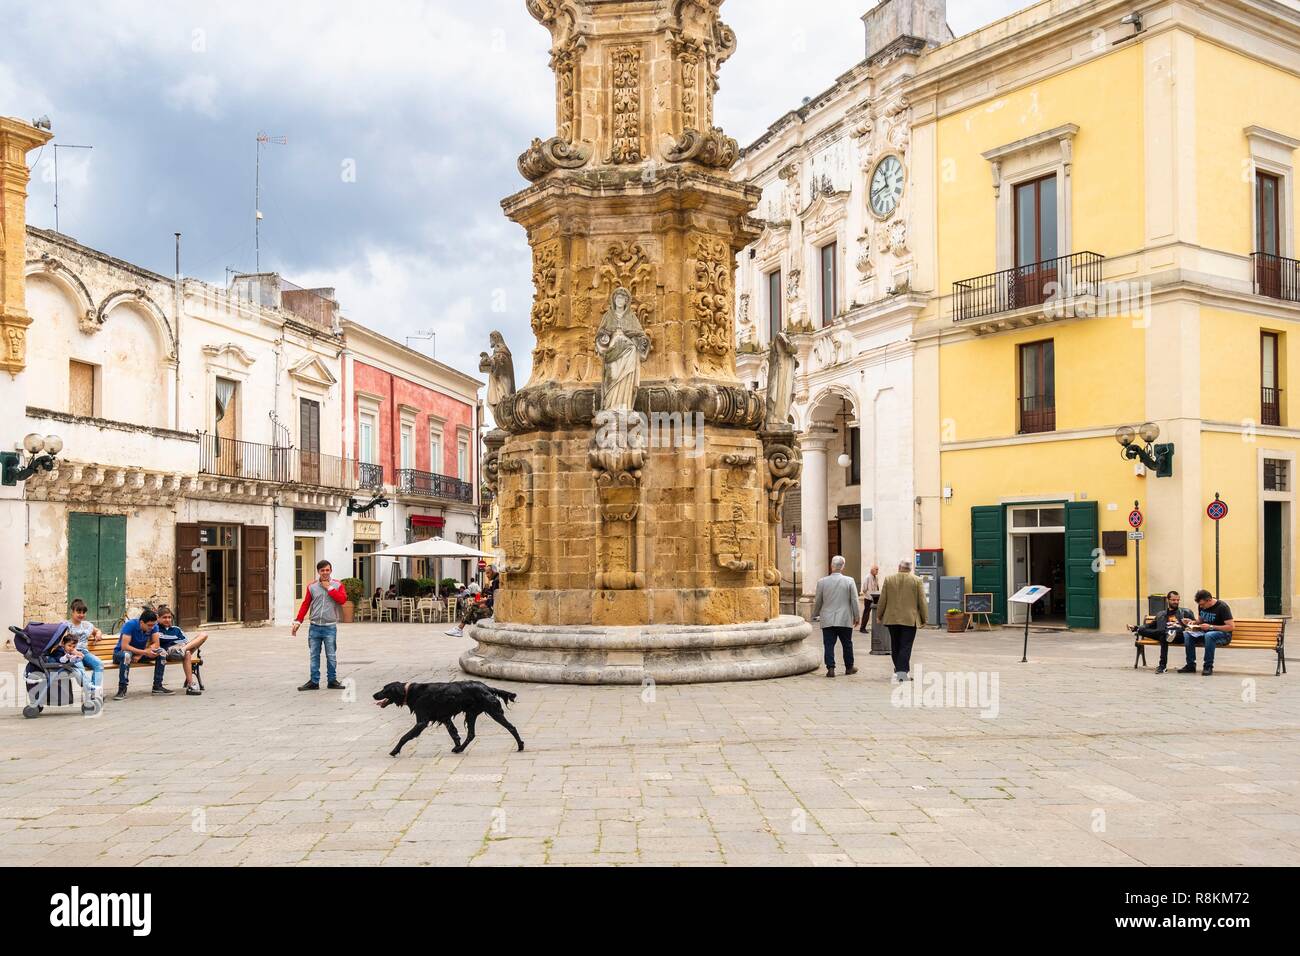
x=323, y=599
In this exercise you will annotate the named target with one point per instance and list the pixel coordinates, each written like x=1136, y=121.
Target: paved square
x=1082, y=761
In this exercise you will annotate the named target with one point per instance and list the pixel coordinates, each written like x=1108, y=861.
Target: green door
x=97, y=565
x=988, y=533
x=1082, y=591
x=1272, y=557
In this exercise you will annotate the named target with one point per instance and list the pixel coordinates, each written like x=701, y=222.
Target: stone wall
x=693, y=550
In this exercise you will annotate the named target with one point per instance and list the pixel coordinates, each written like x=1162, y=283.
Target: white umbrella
x=432, y=548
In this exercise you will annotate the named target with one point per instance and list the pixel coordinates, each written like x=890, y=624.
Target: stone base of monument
x=664, y=654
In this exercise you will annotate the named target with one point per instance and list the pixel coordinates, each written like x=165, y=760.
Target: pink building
x=419, y=420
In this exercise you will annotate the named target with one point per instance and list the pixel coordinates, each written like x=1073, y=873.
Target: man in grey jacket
x=836, y=604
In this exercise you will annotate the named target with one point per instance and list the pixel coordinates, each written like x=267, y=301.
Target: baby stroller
x=47, y=682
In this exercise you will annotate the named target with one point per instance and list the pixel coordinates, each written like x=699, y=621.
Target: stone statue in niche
x=500, y=366
x=782, y=360
x=622, y=345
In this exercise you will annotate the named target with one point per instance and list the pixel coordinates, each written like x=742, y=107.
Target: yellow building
x=1109, y=238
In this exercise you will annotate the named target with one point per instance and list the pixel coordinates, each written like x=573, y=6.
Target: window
x=1036, y=402
x=408, y=446
x=1035, y=241
x=1275, y=475
x=774, y=303
x=1270, y=379
x=436, y=464
x=1268, y=190
x=81, y=389
x=1269, y=265
x=309, y=439
x=366, y=438
x=462, y=459
x=830, y=302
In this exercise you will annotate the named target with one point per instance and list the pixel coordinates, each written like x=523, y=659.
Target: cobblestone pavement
x=1074, y=758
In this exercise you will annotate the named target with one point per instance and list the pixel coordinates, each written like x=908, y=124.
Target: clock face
x=886, y=186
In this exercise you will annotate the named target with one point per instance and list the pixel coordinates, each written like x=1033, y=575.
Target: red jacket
x=338, y=593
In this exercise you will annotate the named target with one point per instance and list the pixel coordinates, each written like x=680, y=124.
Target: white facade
x=839, y=278
x=134, y=394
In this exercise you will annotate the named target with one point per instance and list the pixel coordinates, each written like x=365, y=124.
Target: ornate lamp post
x=41, y=452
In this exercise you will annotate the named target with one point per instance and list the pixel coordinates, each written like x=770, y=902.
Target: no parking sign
x=1217, y=509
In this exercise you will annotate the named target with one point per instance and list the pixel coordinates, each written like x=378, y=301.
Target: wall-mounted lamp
x=41, y=452
x=1159, y=458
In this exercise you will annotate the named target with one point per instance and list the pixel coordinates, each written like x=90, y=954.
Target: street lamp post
x=41, y=452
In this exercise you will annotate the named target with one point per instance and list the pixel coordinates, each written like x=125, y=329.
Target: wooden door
x=190, y=576
x=309, y=440
x=988, y=527
x=1082, y=586
x=97, y=565
x=1037, y=267
x=255, y=557
x=832, y=540
x=1268, y=237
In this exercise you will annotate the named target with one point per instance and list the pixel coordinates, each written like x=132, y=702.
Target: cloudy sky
x=403, y=118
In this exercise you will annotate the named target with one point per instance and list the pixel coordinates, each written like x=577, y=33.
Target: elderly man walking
x=902, y=609
x=836, y=604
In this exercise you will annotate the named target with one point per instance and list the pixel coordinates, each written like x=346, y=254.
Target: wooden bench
x=103, y=649
x=1248, y=633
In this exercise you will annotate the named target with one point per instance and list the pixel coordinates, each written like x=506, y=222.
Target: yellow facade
x=1154, y=143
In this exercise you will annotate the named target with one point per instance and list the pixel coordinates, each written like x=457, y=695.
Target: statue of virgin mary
x=622, y=345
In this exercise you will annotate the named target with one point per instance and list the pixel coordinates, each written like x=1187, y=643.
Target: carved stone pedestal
x=637, y=655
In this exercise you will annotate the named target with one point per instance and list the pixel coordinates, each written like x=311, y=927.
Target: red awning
x=427, y=521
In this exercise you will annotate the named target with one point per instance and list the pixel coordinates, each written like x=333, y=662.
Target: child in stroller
x=50, y=668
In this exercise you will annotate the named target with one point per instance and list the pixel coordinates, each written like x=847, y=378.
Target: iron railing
x=1033, y=284
x=1270, y=406
x=1037, y=413
x=331, y=471
x=429, y=485
x=1277, y=277
x=228, y=458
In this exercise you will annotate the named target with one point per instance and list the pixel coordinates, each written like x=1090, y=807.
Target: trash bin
x=879, y=633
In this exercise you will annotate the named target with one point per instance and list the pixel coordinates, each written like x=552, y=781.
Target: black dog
x=439, y=703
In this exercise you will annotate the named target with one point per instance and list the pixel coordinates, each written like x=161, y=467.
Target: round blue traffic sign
x=1217, y=510
x=1135, y=518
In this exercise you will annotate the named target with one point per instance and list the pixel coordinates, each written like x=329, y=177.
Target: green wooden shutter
x=97, y=565
x=1082, y=589
x=988, y=532
x=83, y=566
x=112, y=566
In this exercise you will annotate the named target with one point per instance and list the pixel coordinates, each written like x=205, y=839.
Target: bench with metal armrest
x=1248, y=633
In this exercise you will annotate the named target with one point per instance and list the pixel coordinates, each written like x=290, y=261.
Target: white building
x=833, y=269
x=204, y=429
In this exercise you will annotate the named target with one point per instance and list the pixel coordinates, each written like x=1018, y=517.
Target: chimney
x=914, y=25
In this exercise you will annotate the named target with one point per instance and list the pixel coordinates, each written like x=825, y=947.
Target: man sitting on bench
x=1213, y=631
x=1167, y=625
x=139, y=642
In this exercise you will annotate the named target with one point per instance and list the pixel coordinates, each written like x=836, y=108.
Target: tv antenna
x=57, y=147
x=428, y=335
x=262, y=139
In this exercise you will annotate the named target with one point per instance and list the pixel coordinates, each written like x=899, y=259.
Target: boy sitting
x=178, y=647
x=139, y=642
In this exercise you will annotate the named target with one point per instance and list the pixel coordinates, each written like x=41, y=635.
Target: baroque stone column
x=17, y=139
x=635, y=478
x=813, y=445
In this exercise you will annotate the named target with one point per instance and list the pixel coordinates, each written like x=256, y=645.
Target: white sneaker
x=454, y=632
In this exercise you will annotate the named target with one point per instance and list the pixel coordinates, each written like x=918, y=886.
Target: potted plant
x=448, y=586
x=355, y=589
x=957, y=619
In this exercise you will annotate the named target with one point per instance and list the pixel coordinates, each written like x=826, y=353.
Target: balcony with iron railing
x=1276, y=276
x=426, y=484
x=1027, y=286
x=1270, y=406
x=249, y=461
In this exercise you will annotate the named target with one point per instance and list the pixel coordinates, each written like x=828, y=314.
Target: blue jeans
x=123, y=661
x=1211, y=640
x=318, y=635
x=96, y=667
